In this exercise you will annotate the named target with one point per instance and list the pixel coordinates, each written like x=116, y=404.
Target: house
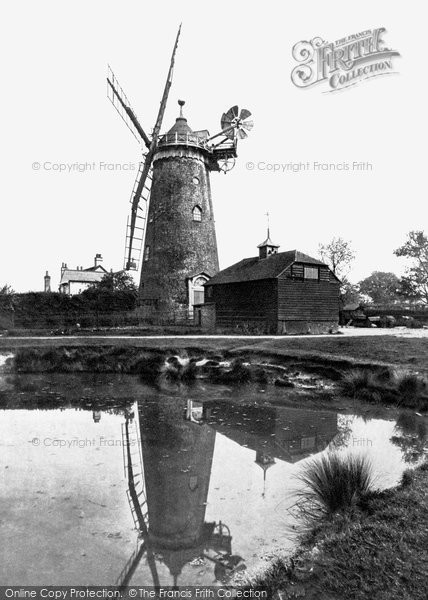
x=274, y=292
x=75, y=281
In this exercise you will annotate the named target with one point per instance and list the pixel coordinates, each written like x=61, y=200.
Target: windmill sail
x=168, y=83
x=143, y=176
x=136, y=224
x=133, y=467
x=121, y=103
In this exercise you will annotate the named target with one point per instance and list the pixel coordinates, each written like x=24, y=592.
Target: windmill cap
x=180, y=125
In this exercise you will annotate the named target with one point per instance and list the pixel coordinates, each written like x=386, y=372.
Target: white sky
x=55, y=109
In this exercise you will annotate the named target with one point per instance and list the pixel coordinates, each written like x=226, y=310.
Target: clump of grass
x=410, y=387
x=403, y=389
x=334, y=483
x=407, y=478
x=361, y=383
x=354, y=382
x=239, y=373
x=148, y=367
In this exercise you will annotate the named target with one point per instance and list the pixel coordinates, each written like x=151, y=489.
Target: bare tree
x=339, y=255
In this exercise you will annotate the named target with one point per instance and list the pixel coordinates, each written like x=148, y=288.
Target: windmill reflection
x=168, y=455
x=168, y=470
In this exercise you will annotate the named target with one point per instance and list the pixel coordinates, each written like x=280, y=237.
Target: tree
x=349, y=293
x=414, y=284
x=339, y=255
x=116, y=282
x=115, y=292
x=6, y=290
x=6, y=297
x=381, y=287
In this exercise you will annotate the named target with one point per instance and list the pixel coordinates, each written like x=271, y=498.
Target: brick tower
x=180, y=248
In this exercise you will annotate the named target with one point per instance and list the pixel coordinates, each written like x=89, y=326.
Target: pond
x=114, y=482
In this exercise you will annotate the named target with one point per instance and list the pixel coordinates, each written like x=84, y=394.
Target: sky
x=56, y=112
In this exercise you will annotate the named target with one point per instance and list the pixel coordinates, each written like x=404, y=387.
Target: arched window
x=197, y=213
x=146, y=253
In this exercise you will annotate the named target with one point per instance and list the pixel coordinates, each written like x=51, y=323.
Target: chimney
x=98, y=259
x=63, y=268
x=47, y=282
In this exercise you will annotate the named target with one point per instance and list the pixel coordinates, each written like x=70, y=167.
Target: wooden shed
x=275, y=292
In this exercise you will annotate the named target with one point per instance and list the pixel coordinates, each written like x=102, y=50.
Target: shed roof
x=250, y=269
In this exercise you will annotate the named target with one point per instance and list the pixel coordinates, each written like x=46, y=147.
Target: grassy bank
x=317, y=374
x=408, y=353
x=378, y=550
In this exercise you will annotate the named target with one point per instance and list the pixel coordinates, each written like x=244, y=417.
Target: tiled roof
x=98, y=268
x=250, y=269
x=83, y=276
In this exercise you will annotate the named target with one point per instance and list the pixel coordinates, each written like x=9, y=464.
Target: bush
x=334, y=483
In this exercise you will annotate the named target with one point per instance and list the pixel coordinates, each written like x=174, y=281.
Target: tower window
x=197, y=213
x=146, y=253
x=195, y=180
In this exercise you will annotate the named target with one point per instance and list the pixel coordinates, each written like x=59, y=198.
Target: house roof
x=250, y=269
x=82, y=276
x=98, y=268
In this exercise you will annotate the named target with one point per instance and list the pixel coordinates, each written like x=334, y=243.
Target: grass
x=379, y=551
x=333, y=482
x=387, y=386
x=408, y=353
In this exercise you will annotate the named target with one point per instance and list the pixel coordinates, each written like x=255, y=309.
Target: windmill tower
x=171, y=230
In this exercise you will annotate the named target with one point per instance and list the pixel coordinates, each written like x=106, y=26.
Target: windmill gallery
x=171, y=239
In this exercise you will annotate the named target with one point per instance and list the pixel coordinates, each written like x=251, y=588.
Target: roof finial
x=268, y=233
x=181, y=103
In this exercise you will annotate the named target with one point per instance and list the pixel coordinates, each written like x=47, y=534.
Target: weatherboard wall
x=307, y=300
x=285, y=304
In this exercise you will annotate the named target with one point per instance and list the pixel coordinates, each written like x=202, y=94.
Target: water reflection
x=167, y=491
x=411, y=436
x=169, y=481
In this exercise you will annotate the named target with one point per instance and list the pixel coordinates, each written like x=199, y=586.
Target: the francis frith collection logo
x=342, y=63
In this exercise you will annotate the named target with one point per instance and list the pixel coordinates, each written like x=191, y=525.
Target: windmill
x=171, y=214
